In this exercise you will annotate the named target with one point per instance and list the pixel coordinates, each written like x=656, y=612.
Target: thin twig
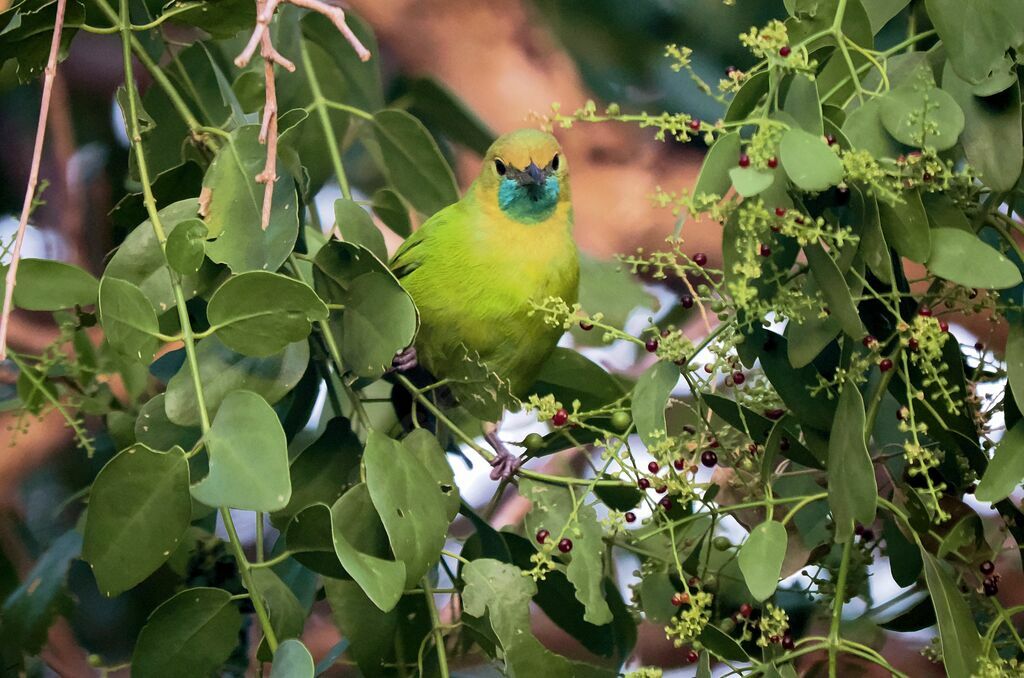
x=261, y=36
x=33, y=176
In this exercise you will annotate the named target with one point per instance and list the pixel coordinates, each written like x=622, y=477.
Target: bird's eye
x=499, y=166
x=554, y=162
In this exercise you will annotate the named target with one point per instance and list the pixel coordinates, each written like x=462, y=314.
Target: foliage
x=839, y=164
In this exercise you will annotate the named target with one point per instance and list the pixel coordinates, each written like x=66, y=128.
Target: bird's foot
x=505, y=464
x=404, y=360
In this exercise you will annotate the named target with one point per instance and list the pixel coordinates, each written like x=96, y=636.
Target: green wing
x=413, y=251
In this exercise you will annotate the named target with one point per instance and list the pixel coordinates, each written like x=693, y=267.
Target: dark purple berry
x=744, y=160
x=787, y=642
x=651, y=345
x=785, y=51
x=987, y=567
x=686, y=301
x=565, y=545
x=585, y=326
x=708, y=458
x=666, y=503
x=700, y=258
x=542, y=536
x=885, y=365
x=643, y=483
x=630, y=517
x=738, y=377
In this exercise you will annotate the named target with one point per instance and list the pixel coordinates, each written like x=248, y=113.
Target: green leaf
x=287, y=616
x=1006, y=470
x=1015, y=362
x=413, y=162
x=650, y=397
x=792, y=384
x=809, y=337
x=357, y=227
x=922, y=117
x=714, y=176
x=722, y=645
x=390, y=209
x=322, y=472
x=382, y=580
x=977, y=33
x=362, y=81
x=961, y=644
x=259, y=313
x=140, y=259
x=993, y=139
x=865, y=131
x=190, y=634
x=186, y=246
x=761, y=557
x=835, y=290
x=605, y=285
x=502, y=593
x=880, y=12
x=802, y=102
x=45, y=285
x=32, y=607
x=441, y=109
x=568, y=375
x=758, y=428
x=248, y=457
x=873, y=245
x=292, y=660
x=139, y=508
x=379, y=319
x=852, y=491
x=904, y=556
x=220, y=18
x=905, y=225
x=223, y=371
x=128, y=319
x=371, y=631
x=552, y=510
x=154, y=430
x=415, y=517
x=233, y=206
x=749, y=181
x=808, y=161
x=422, y=444
x=989, y=268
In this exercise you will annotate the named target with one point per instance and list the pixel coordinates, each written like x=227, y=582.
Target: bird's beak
x=532, y=175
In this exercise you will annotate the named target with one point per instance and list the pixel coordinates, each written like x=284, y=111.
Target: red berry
x=692, y=656
x=651, y=345
x=744, y=160
x=695, y=124
x=765, y=250
x=830, y=139
x=561, y=416
x=925, y=311
x=585, y=326
x=708, y=458
x=565, y=545
x=799, y=220
x=788, y=643
x=978, y=346
x=987, y=567
x=680, y=599
x=944, y=326
x=780, y=211
x=774, y=414
x=746, y=610
x=630, y=517
x=542, y=536
x=653, y=467
x=713, y=442
x=926, y=176
x=666, y=503
x=784, y=51
x=643, y=483
x=661, y=489
x=700, y=258
x=738, y=377
x=913, y=344
x=773, y=162
x=885, y=364
x=686, y=301
x=869, y=341
x=679, y=464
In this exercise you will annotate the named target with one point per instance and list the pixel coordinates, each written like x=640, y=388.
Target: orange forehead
x=524, y=146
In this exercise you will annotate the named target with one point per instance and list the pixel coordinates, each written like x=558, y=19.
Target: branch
x=261, y=36
x=33, y=176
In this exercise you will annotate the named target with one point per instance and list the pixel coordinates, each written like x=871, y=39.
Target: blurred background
x=506, y=61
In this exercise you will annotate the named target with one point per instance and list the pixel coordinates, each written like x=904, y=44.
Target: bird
x=477, y=268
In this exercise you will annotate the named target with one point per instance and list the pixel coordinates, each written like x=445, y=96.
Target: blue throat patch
x=528, y=204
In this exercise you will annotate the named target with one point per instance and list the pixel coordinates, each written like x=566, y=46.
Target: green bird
x=476, y=267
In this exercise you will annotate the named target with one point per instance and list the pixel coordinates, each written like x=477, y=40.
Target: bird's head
x=526, y=174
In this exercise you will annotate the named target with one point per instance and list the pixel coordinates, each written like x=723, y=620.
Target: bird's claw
x=505, y=464
x=404, y=360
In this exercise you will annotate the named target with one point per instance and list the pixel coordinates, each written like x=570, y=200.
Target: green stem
x=111, y=30
x=320, y=104
x=435, y=620
x=837, y=608
x=135, y=137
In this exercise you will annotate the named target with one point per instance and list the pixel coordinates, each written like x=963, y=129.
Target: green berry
x=620, y=420
x=534, y=442
x=721, y=543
